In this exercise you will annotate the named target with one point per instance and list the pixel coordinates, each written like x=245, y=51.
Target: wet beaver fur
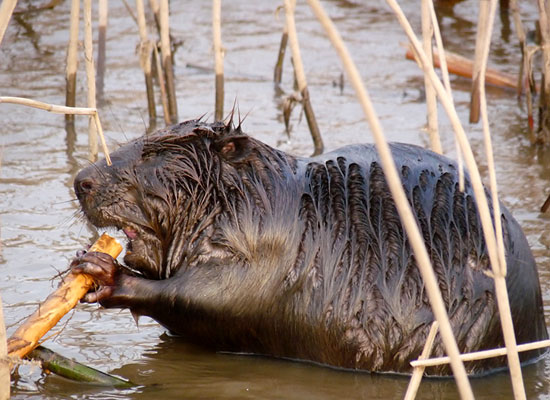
x=241, y=247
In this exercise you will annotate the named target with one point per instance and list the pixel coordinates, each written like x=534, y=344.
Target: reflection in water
x=42, y=156
x=29, y=32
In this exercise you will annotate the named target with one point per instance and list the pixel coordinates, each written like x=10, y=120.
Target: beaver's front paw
x=105, y=271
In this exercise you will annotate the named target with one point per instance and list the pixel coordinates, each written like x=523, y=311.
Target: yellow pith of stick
x=57, y=304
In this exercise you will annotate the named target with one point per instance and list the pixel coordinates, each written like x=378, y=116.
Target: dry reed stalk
x=480, y=355
x=544, y=98
x=163, y=94
x=90, y=77
x=218, y=57
x=167, y=60
x=447, y=84
x=92, y=112
x=416, y=377
x=520, y=32
x=145, y=48
x=485, y=216
x=4, y=363
x=396, y=188
x=301, y=77
x=441, y=50
x=155, y=6
x=530, y=88
x=6, y=10
x=278, y=73
x=447, y=103
x=57, y=304
x=487, y=137
x=101, y=39
x=481, y=38
x=431, y=100
x=499, y=274
x=72, y=60
x=48, y=107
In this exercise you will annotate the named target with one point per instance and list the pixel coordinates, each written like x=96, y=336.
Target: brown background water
x=41, y=228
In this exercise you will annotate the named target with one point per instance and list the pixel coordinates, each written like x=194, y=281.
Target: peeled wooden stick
x=59, y=303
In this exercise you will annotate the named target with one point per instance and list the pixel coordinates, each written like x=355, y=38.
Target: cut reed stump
x=218, y=58
x=4, y=363
x=101, y=46
x=543, y=134
x=59, y=303
x=278, y=73
x=72, y=61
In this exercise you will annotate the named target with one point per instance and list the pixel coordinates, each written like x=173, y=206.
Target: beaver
x=240, y=247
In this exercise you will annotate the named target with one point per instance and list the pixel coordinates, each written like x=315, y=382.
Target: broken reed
x=418, y=371
x=544, y=97
x=4, y=363
x=431, y=99
x=92, y=112
x=6, y=10
x=278, y=73
x=301, y=77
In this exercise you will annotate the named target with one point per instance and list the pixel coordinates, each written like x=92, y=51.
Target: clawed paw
x=103, y=268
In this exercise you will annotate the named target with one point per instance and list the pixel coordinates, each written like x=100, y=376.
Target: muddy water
x=41, y=227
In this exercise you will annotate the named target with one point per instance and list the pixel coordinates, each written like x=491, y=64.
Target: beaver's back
x=364, y=280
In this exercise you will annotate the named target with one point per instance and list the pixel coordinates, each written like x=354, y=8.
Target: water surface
x=41, y=227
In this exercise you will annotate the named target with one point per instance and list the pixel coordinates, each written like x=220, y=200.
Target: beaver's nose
x=84, y=183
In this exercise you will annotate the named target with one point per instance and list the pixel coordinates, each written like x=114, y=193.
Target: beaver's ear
x=233, y=148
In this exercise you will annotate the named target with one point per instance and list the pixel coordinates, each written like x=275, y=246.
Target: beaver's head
x=164, y=191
